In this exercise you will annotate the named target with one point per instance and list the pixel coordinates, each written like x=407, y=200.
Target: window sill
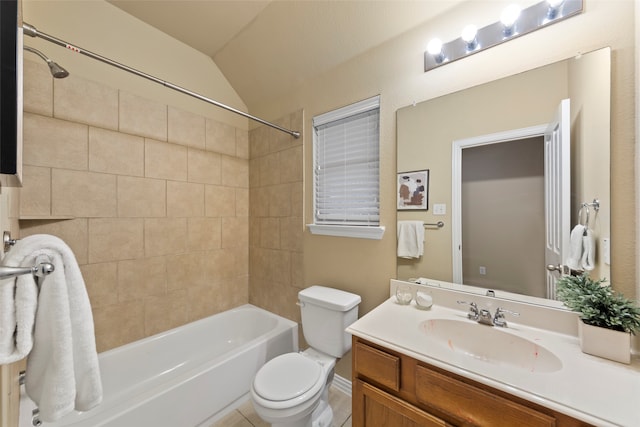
x=360, y=232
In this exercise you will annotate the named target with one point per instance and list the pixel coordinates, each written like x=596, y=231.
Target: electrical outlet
x=439, y=209
x=483, y=270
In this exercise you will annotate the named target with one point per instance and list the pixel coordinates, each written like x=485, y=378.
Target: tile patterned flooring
x=245, y=416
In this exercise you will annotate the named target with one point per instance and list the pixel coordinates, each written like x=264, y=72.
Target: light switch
x=606, y=250
x=439, y=209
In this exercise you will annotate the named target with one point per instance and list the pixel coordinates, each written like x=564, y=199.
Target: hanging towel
x=588, y=250
x=62, y=366
x=574, y=261
x=410, y=239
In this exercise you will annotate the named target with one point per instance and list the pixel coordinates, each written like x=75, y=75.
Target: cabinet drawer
x=378, y=366
x=473, y=405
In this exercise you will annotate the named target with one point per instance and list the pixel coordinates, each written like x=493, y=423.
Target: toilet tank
x=326, y=313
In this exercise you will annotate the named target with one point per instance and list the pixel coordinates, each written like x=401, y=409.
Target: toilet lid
x=286, y=377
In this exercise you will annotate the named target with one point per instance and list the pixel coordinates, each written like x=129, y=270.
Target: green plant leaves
x=598, y=304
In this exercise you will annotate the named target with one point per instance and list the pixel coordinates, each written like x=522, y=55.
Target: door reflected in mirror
x=479, y=246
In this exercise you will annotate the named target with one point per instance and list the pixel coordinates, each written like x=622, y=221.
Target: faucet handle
x=473, y=313
x=498, y=317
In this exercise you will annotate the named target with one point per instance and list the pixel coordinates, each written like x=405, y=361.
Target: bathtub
x=188, y=376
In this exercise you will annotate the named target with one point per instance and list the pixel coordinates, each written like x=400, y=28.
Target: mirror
x=495, y=257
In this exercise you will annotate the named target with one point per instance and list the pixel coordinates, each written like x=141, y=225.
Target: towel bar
x=438, y=224
x=40, y=270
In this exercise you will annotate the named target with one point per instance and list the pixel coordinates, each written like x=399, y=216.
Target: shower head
x=56, y=70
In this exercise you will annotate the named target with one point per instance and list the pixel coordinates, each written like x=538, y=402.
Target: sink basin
x=490, y=344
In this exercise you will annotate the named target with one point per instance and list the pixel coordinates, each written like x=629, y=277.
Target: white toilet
x=291, y=390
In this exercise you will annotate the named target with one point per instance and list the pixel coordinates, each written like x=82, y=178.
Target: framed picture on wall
x=413, y=190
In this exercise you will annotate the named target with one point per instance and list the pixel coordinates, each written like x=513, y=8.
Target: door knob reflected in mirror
x=562, y=269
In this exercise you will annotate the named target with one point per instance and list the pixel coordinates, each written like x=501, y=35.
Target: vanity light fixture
x=514, y=22
x=434, y=48
x=470, y=37
x=509, y=18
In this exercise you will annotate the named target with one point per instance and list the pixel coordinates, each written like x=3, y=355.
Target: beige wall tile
x=143, y=117
x=258, y=202
x=297, y=199
x=221, y=137
x=242, y=144
x=291, y=163
x=165, y=312
x=113, y=239
x=54, y=143
x=204, y=167
x=258, y=142
x=280, y=202
x=254, y=172
x=269, y=233
x=235, y=232
x=141, y=197
x=186, y=128
x=115, y=152
x=200, y=302
x=74, y=232
x=186, y=271
x=219, y=265
x=118, y=324
x=37, y=90
x=163, y=160
x=291, y=233
x=101, y=281
x=280, y=140
x=83, y=101
x=269, y=170
x=82, y=194
x=242, y=202
x=219, y=201
x=35, y=194
x=204, y=234
x=297, y=270
x=140, y=278
x=185, y=199
x=235, y=172
x=164, y=236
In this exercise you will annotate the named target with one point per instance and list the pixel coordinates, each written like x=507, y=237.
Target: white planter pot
x=603, y=342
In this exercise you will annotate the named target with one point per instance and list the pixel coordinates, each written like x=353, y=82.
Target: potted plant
x=607, y=318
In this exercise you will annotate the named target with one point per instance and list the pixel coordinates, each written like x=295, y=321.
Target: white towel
x=588, y=250
x=62, y=367
x=410, y=239
x=574, y=261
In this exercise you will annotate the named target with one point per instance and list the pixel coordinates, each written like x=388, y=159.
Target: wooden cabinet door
x=375, y=408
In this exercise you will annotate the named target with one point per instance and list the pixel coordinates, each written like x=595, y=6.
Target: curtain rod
x=31, y=31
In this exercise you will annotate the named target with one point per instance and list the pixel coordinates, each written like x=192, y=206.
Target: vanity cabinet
x=392, y=389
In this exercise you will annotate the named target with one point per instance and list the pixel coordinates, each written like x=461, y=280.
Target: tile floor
x=245, y=416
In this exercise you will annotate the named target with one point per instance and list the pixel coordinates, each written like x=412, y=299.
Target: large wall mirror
x=484, y=149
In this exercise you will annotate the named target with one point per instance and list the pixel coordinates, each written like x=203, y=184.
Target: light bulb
x=468, y=35
x=554, y=6
x=435, y=47
x=509, y=17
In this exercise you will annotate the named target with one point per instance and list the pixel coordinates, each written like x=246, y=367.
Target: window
x=346, y=179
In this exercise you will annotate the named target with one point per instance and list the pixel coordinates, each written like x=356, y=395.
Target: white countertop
x=595, y=390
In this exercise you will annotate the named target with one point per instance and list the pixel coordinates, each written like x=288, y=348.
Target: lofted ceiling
x=264, y=48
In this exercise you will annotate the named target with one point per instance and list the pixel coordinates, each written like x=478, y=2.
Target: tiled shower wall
x=154, y=202
x=276, y=217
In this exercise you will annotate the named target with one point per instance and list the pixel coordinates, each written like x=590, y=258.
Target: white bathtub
x=188, y=376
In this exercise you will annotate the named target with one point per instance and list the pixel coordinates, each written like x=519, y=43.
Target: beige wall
x=276, y=223
x=153, y=201
x=395, y=71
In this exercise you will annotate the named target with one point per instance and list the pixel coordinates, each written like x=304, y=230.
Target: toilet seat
x=288, y=380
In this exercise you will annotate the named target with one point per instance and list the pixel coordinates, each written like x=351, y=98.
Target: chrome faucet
x=484, y=316
x=498, y=317
x=473, y=313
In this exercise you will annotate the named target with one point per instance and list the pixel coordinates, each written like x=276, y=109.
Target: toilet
x=292, y=390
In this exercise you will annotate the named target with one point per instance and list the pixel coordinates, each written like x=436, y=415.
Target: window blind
x=346, y=165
